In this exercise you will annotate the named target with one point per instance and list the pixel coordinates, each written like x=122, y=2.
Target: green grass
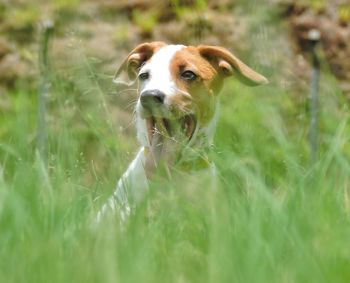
x=273, y=218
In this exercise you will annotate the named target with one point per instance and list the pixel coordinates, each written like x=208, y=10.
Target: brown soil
x=107, y=29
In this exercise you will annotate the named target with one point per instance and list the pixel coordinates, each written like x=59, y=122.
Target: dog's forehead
x=168, y=58
x=164, y=55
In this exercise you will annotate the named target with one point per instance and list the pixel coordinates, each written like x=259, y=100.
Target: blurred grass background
x=274, y=218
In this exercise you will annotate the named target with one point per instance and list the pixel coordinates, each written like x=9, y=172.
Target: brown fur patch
x=203, y=91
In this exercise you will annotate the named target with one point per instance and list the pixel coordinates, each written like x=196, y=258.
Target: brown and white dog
x=176, y=111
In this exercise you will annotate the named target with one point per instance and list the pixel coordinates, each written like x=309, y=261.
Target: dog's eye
x=188, y=76
x=143, y=76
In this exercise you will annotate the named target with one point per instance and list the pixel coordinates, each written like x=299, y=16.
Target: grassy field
x=274, y=218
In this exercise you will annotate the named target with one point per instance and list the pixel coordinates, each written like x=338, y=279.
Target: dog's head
x=179, y=85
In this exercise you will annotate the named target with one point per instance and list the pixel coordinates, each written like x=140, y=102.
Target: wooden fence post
x=314, y=36
x=44, y=86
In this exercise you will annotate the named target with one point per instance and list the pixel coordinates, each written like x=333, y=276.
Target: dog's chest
x=134, y=184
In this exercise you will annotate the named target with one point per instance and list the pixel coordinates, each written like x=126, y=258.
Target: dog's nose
x=152, y=98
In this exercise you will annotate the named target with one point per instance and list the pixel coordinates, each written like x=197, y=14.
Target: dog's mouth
x=183, y=127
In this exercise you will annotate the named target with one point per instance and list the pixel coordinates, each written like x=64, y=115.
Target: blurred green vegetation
x=146, y=21
x=274, y=217
x=344, y=13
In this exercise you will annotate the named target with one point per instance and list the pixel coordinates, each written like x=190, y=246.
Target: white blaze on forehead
x=159, y=70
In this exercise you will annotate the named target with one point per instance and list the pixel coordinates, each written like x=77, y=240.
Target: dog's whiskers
x=126, y=90
x=131, y=104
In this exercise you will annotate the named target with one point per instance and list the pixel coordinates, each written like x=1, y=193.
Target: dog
x=176, y=112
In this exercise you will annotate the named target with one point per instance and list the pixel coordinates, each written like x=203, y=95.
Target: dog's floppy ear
x=134, y=60
x=229, y=65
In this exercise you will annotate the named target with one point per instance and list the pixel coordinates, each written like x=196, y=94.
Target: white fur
x=131, y=187
x=141, y=128
x=159, y=70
